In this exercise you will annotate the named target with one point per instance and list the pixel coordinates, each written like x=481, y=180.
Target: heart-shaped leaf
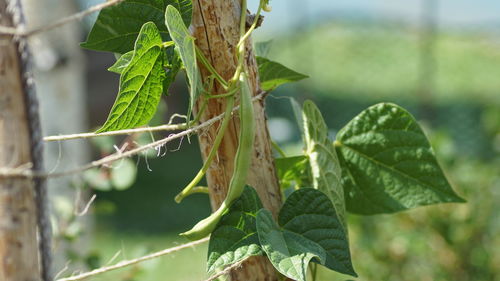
x=117, y=27
x=141, y=83
x=235, y=237
x=388, y=164
x=323, y=160
x=288, y=252
x=308, y=229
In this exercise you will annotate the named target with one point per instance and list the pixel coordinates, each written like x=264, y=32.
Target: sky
x=288, y=14
x=451, y=13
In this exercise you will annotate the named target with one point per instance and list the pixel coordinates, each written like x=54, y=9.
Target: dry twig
x=22, y=172
x=167, y=127
x=127, y=263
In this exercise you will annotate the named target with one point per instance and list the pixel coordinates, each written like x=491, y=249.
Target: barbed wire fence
x=26, y=171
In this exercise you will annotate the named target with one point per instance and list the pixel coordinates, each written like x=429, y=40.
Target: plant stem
x=198, y=189
x=210, y=68
x=167, y=44
x=241, y=46
x=252, y=27
x=218, y=139
x=200, y=112
x=230, y=93
x=278, y=149
x=168, y=127
x=243, y=18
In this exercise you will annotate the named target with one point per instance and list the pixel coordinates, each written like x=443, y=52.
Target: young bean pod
x=242, y=164
x=218, y=139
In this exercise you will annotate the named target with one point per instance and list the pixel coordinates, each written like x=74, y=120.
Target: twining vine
x=380, y=162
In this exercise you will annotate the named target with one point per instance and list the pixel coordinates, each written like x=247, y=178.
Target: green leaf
x=388, y=164
x=289, y=253
x=124, y=174
x=117, y=27
x=185, y=7
x=262, y=48
x=323, y=161
x=174, y=66
x=184, y=43
x=122, y=62
x=310, y=213
x=141, y=83
x=273, y=74
x=308, y=229
x=293, y=170
x=235, y=237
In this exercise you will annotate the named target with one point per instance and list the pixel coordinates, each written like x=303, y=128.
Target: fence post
x=20, y=146
x=216, y=29
x=59, y=71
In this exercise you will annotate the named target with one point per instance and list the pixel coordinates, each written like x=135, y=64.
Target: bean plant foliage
x=380, y=162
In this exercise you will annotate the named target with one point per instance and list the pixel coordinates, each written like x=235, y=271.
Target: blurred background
x=440, y=59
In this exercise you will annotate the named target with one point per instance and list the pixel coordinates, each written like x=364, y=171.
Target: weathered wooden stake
x=216, y=29
x=19, y=249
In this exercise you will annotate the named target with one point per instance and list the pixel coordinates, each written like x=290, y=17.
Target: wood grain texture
x=18, y=240
x=216, y=29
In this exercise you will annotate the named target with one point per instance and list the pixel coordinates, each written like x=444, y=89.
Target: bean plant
x=380, y=162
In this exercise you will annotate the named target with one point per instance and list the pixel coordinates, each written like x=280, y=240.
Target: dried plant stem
x=23, y=172
x=168, y=127
x=127, y=263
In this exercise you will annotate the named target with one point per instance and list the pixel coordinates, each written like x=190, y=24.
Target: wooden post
x=19, y=251
x=216, y=29
x=59, y=71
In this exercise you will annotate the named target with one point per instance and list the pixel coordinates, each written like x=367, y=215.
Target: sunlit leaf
x=184, y=43
x=141, y=83
x=235, y=237
x=273, y=74
x=388, y=164
x=122, y=62
x=293, y=170
x=323, y=160
x=308, y=229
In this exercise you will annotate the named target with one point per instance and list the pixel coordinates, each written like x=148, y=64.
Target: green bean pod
x=242, y=160
x=218, y=139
